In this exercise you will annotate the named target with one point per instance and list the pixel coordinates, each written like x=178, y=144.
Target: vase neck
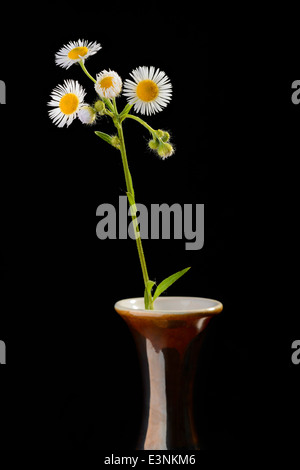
x=168, y=400
x=168, y=354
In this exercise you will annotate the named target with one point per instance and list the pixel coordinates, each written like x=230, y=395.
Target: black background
x=72, y=376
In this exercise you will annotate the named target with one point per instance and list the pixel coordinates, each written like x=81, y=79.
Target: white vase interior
x=178, y=305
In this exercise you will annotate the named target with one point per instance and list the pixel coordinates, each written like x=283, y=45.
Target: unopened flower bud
x=163, y=135
x=153, y=144
x=87, y=115
x=100, y=107
x=165, y=150
x=115, y=142
x=166, y=137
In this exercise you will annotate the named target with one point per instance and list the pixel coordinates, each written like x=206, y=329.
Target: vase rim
x=169, y=306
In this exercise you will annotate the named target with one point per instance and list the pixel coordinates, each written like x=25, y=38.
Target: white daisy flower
x=108, y=84
x=150, y=91
x=75, y=52
x=67, y=100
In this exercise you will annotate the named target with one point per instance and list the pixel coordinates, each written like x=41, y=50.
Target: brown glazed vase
x=167, y=340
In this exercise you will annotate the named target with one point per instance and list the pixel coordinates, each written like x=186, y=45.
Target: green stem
x=105, y=100
x=115, y=106
x=136, y=118
x=81, y=63
x=130, y=190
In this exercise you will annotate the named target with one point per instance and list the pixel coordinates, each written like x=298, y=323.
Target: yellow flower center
x=69, y=103
x=147, y=90
x=77, y=52
x=106, y=82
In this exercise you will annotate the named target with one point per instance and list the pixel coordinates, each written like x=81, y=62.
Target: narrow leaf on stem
x=104, y=136
x=126, y=110
x=168, y=282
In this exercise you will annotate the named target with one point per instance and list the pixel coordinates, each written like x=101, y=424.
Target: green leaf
x=150, y=285
x=126, y=110
x=104, y=136
x=168, y=282
x=148, y=295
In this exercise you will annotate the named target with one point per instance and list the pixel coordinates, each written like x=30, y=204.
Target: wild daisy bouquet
x=148, y=91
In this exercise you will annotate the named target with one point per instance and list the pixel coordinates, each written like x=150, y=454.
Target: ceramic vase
x=167, y=341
